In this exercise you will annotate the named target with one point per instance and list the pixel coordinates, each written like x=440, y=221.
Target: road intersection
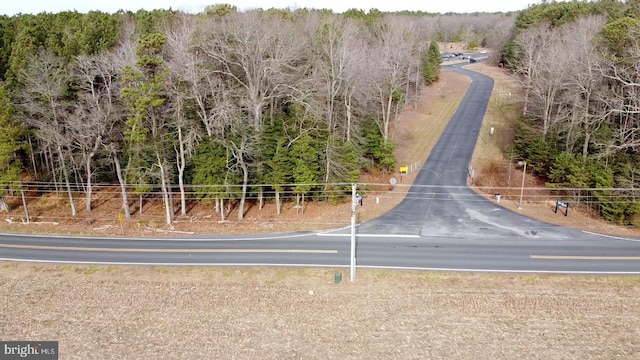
x=442, y=225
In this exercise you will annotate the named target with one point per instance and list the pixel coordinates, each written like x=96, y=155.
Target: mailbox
x=563, y=205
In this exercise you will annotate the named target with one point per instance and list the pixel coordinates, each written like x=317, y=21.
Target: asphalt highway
x=440, y=225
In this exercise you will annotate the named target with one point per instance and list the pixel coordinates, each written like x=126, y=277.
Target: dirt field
x=127, y=312
x=265, y=313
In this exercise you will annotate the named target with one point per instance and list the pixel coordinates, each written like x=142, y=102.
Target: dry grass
x=126, y=312
x=494, y=170
x=417, y=130
x=265, y=313
x=420, y=126
x=503, y=111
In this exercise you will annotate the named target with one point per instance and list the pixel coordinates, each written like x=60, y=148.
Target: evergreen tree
x=306, y=168
x=618, y=36
x=274, y=150
x=7, y=35
x=10, y=144
x=145, y=136
x=210, y=173
x=380, y=152
x=430, y=64
x=279, y=170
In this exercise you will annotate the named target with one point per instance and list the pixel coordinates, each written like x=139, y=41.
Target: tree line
x=579, y=64
x=222, y=104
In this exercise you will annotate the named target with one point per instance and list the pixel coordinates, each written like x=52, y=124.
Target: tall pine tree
x=10, y=144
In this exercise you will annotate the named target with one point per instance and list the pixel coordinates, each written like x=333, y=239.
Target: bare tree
x=96, y=111
x=542, y=68
x=621, y=70
x=241, y=148
x=215, y=109
x=388, y=61
x=258, y=59
x=182, y=67
x=336, y=80
x=119, y=58
x=257, y=52
x=498, y=36
x=530, y=44
x=585, y=84
x=46, y=79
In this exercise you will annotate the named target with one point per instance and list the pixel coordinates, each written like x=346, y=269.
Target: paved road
x=440, y=203
x=442, y=224
x=587, y=254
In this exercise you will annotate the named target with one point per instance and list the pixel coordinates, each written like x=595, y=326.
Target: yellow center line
x=576, y=257
x=73, y=248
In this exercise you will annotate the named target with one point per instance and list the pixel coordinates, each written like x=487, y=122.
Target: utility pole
x=353, y=232
x=524, y=173
x=24, y=202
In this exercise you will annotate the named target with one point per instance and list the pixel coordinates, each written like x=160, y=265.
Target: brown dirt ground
x=128, y=312
x=135, y=312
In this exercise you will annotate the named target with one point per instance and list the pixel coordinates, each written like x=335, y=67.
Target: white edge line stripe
x=507, y=271
x=610, y=236
x=369, y=235
x=337, y=266
x=168, y=250
x=583, y=257
x=186, y=238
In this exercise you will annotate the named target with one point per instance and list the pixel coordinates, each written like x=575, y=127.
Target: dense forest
x=263, y=105
x=282, y=105
x=579, y=64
